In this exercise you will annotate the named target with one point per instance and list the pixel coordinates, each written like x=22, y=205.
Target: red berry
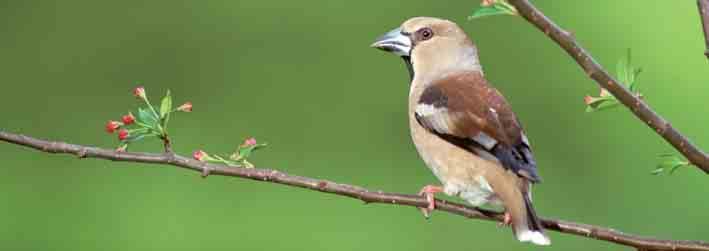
x=122, y=134
x=111, y=126
x=128, y=119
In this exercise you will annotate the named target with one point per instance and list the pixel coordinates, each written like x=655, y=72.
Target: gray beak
x=395, y=42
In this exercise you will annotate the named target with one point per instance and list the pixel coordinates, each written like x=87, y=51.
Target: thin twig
x=326, y=186
x=642, y=111
x=703, y=6
x=167, y=144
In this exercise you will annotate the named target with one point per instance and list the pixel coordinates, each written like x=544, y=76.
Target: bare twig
x=167, y=144
x=641, y=110
x=703, y=6
x=325, y=186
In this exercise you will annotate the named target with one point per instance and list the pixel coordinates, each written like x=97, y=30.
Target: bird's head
x=431, y=46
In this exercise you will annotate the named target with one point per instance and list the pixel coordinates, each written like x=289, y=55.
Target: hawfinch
x=463, y=128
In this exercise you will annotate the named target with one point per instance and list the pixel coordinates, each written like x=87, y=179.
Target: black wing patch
x=434, y=96
x=518, y=159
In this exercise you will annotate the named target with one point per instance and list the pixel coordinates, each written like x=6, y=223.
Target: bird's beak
x=395, y=42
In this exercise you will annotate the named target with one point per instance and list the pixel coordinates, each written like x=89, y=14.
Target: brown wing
x=466, y=111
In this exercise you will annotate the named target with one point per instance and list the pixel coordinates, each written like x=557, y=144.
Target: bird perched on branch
x=463, y=128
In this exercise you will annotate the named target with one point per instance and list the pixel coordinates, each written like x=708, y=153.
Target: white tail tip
x=535, y=237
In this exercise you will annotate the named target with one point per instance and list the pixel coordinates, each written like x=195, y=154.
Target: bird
x=463, y=128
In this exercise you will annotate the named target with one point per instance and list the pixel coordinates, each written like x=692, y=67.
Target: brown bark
x=637, y=105
x=360, y=193
x=703, y=6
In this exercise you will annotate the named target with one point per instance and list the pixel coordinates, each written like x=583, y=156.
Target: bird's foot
x=506, y=220
x=428, y=192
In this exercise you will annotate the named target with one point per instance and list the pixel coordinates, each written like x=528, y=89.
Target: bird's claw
x=428, y=192
x=506, y=220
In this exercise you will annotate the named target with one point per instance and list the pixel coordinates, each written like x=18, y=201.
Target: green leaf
x=667, y=164
x=134, y=137
x=634, y=76
x=245, y=152
x=657, y=171
x=671, y=162
x=622, y=71
x=220, y=159
x=626, y=74
x=675, y=167
x=602, y=103
x=487, y=11
x=498, y=8
x=147, y=117
x=504, y=5
x=166, y=105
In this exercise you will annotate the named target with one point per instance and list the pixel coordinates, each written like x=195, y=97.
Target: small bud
x=588, y=100
x=487, y=3
x=186, y=107
x=128, y=119
x=122, y=148
x=139, y=92
x=111, y=126
x=199, y=155
x=249, y=142
x=122, y=134
x=604, y=92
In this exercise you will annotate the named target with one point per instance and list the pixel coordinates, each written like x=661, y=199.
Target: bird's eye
x=425, y=34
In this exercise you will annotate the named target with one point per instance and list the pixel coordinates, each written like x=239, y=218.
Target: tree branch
x=360, y=193
x=641, y=110
x=703, y=6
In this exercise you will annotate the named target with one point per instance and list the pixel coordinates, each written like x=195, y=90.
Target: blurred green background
x=300, y=76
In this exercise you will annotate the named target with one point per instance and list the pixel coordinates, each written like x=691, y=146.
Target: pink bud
x=199, y=155
x=122, y=134
x=604, y=92
x=249, y=142
x=128, y=119
x=186, y=107
x=487, y=2
x=111, y=126
x=139, y=92
x=588, y=100
x=122, y=148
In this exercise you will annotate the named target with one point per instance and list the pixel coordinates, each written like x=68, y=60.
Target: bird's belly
x=460, y=172
x=476, y=193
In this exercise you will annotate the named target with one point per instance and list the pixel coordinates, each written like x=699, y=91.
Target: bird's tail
x=531, y=230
